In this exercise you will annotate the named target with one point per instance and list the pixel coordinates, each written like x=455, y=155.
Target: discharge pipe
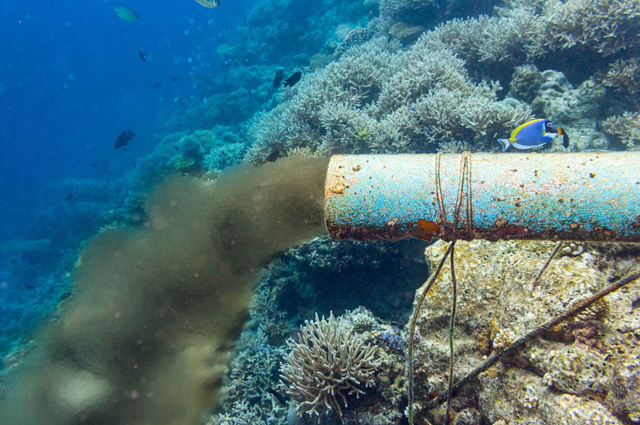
x=546, y=196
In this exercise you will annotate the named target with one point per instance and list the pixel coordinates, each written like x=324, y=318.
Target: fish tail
x=505, y=144
x=565, y=138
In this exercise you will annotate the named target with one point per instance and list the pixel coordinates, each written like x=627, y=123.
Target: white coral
x=328, y=361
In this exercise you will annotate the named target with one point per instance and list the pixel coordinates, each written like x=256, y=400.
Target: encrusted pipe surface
x=551, y=196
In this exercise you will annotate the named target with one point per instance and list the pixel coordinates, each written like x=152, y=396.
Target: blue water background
x=71, y=80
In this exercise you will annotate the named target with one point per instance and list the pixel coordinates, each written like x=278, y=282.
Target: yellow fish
x=126, y=13
x=209, y=3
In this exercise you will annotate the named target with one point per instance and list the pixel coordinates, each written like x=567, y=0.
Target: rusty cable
x=553, y=254
x=413, y=326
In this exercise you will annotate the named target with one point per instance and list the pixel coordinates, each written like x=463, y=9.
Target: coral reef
x=573, y=375
x=381, y=76
x=604, y=26
x=328, y=364
x=626, y=128
x=624, y=75
x=376, y=99
x=253, y=372
x=363, y=321
x=325, y=275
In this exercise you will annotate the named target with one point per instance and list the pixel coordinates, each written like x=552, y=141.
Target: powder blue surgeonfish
x=534, y=134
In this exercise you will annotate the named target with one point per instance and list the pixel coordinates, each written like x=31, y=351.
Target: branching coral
x=625, y=127
x=377, y=99
x=511, y=37
x=606, y=26
x=525, y=30
x=328, y=361
x=624, y=75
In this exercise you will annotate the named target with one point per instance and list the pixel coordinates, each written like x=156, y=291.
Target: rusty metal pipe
x=550, y=196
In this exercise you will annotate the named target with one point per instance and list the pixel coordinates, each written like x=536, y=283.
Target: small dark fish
x=293, y=79
x=143, y=55
x=281, y=399
x=94, y=165
x=56, y=159
x=176, y=148
x=277, y=80
x=68, y=197
x=221, y=110
x=30, y=287
x=123, y=139
x=13, y=261
x=174, y=78
x=157, y=85
x=66, y=296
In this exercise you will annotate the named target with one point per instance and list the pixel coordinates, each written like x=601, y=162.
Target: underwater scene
x=297, y=212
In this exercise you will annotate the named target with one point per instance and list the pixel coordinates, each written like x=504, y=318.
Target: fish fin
x=565, y=138
x=505, y=144
x=519, y=146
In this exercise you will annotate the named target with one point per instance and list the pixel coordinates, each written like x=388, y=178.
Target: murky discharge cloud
x=146, y=339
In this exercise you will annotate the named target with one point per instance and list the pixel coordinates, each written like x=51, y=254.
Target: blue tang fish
x=534, y=134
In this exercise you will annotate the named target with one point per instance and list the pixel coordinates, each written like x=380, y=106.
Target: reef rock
x=584, y=371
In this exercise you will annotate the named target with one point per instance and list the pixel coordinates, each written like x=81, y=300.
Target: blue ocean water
x=71, y=80
x=127, y=275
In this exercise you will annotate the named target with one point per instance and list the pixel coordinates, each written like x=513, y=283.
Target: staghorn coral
x=522, y=31
x=224, y=155
x=328, y=361
x=625, y=127
x=252, y=372
x=407, y=34
x=513, y=37
x=270, y=319
x=607, y=26
x=624, y=75
x=454, y=147
x=428, y=12
x=376, y=99
x=392, y=101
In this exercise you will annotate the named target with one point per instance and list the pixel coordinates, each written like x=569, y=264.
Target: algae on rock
x=585, y=371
